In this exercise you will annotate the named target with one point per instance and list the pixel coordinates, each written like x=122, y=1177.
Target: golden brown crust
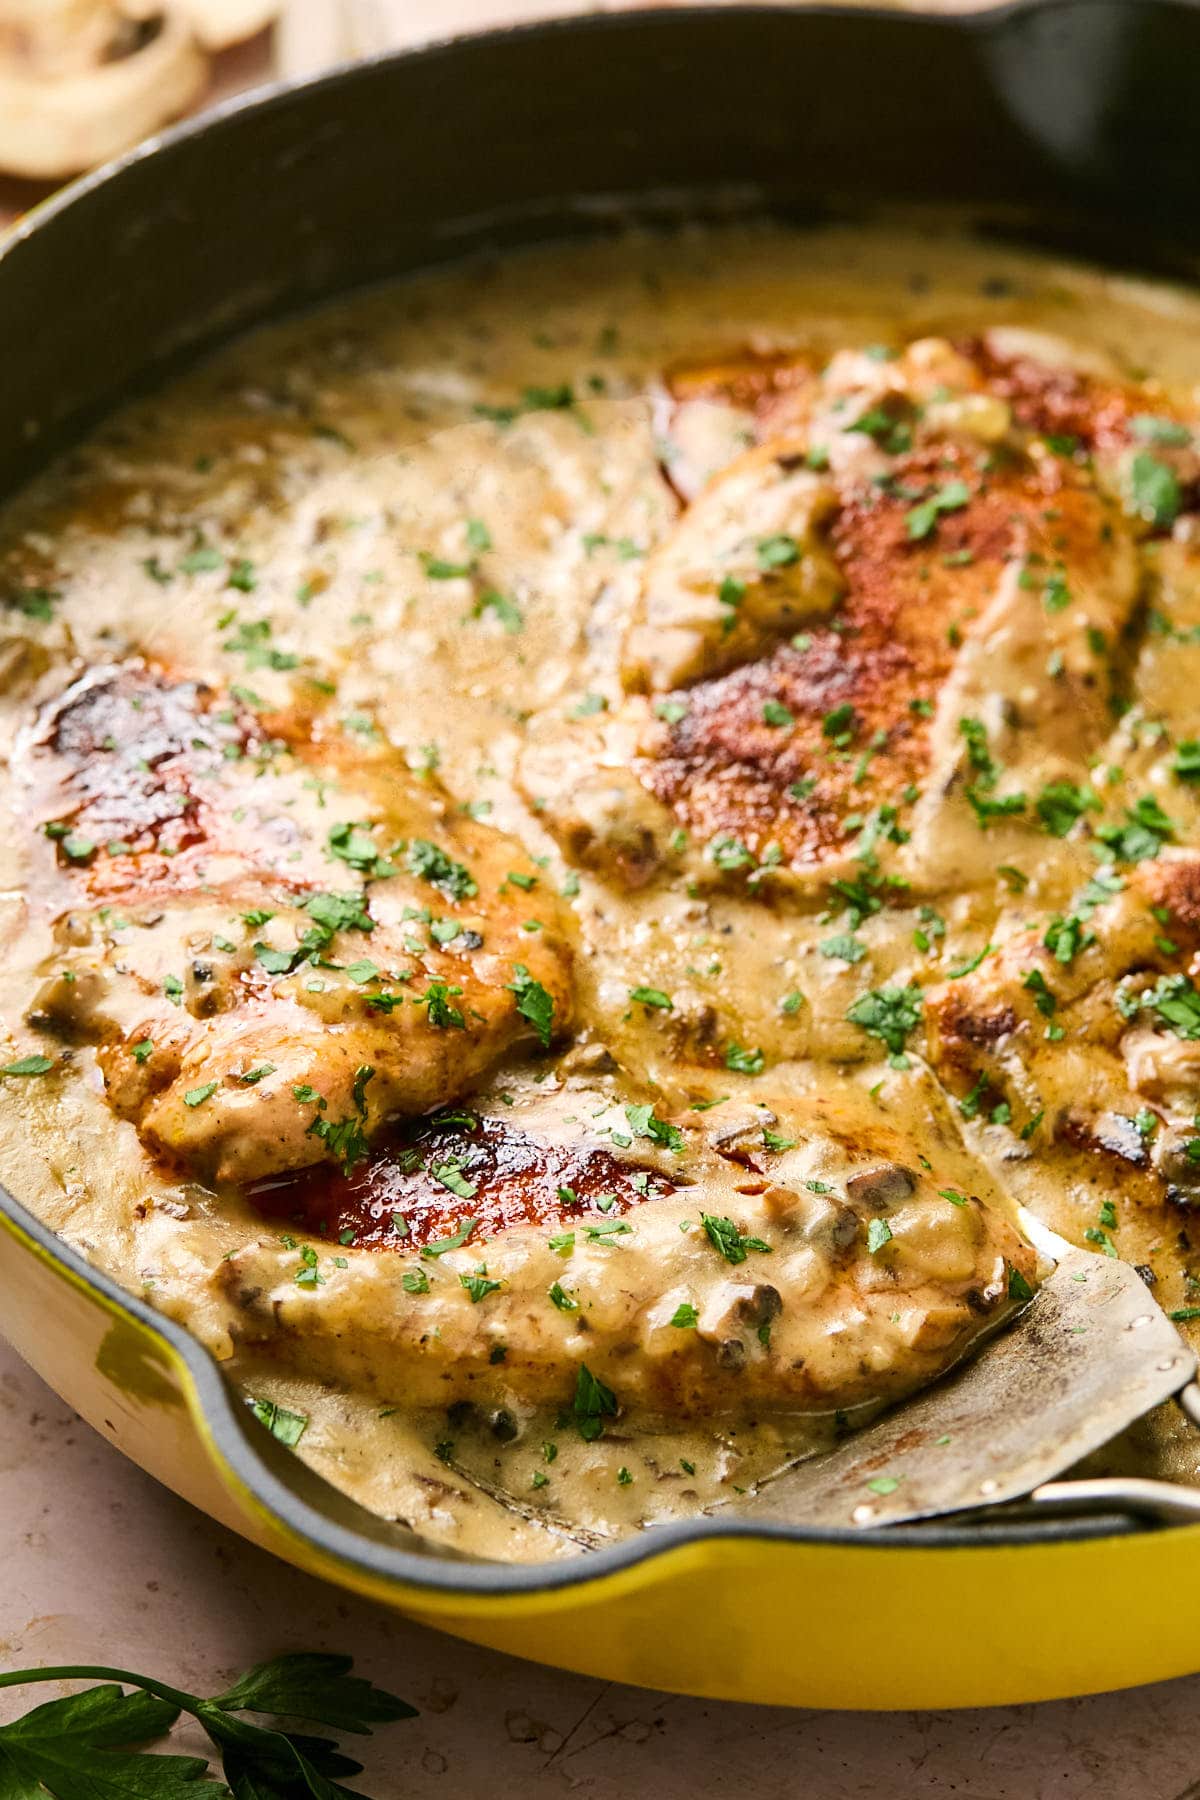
x=465, y=1173
x=320, y=945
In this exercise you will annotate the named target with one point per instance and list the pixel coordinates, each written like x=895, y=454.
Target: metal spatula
x=1091, y=1354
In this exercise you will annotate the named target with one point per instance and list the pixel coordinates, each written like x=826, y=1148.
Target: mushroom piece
x=737, y=1314
x=219, y=23
x=888, y=1185
x=81, y=80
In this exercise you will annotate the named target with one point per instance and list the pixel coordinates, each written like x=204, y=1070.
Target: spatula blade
x=1090, y=1354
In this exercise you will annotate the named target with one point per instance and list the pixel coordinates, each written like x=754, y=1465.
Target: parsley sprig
x=77, y=1748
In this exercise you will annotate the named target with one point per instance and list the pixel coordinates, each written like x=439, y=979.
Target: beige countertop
x=102, y=1563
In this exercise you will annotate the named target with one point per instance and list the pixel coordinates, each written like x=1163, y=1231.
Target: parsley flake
x=732, y=1242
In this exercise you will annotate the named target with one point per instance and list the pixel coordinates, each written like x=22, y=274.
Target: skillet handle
x=1106, y=90
x=1151, y=1502
x=1159, y=1502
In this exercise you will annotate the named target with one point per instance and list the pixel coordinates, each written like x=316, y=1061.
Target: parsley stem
x=90, y=1672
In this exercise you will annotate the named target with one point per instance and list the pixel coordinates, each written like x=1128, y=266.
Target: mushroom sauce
x=579, y=830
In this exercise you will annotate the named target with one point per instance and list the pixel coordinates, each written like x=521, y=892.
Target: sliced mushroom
x=737, y=1315
x=888, y=1185
x=219, y=23
x=80, y=81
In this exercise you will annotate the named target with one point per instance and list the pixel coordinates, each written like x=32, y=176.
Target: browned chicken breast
x=881, y=628
x=1081, y=1035
x=277, y=944
x=791, y=1257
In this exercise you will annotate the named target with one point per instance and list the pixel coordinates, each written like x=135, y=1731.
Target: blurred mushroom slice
x=81, y=80
x=219, y=23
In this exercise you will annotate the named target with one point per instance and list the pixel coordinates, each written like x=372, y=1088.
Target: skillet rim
x=231, y=1436
x=266, y=96
x=237, y=1444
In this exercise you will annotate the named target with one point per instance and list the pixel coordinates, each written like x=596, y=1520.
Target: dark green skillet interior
x=1071, y=123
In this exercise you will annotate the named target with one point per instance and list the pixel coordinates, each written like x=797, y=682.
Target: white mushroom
x=219, y=23
x=81, y=80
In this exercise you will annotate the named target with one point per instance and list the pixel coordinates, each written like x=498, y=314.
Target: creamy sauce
x=395, y=491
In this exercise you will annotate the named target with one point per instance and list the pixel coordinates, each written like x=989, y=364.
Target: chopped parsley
x=431, y=864
x=922, y=520
x=478, y=1286
x=778, y=552
x=534, y=1003
x=438, y=569
x=1062, y=803
x=503, y=608
x=559, y=398
x=352, y=845
x=654, y=998
x=888, y=1013
x=287, y=1426
x=1065, y=938
x=343, y=1138
x=879, y=1233
x=840, y=725
x=970, y=965
x=34, y=602
x=1043, y=997
x=845, y=948
x=253, y=640
x=440, y=1246
x=1145, y=830
x=643, y=1123
x=1154, y=430
x=1154, y=491
x=449, y=1175
x=436, y=1000
x=980, y=793
x=727, y=853
x=732, y=1242
x=1177, y=1004
x=275, y=962
x=593, y=1403
x=608, y=1228
x=1056, y=595
x=1018, y=1287
x=1186, y=766
x=39, y=1065
x=891, y=434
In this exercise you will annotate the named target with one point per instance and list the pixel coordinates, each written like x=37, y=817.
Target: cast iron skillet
x=1073, y=123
